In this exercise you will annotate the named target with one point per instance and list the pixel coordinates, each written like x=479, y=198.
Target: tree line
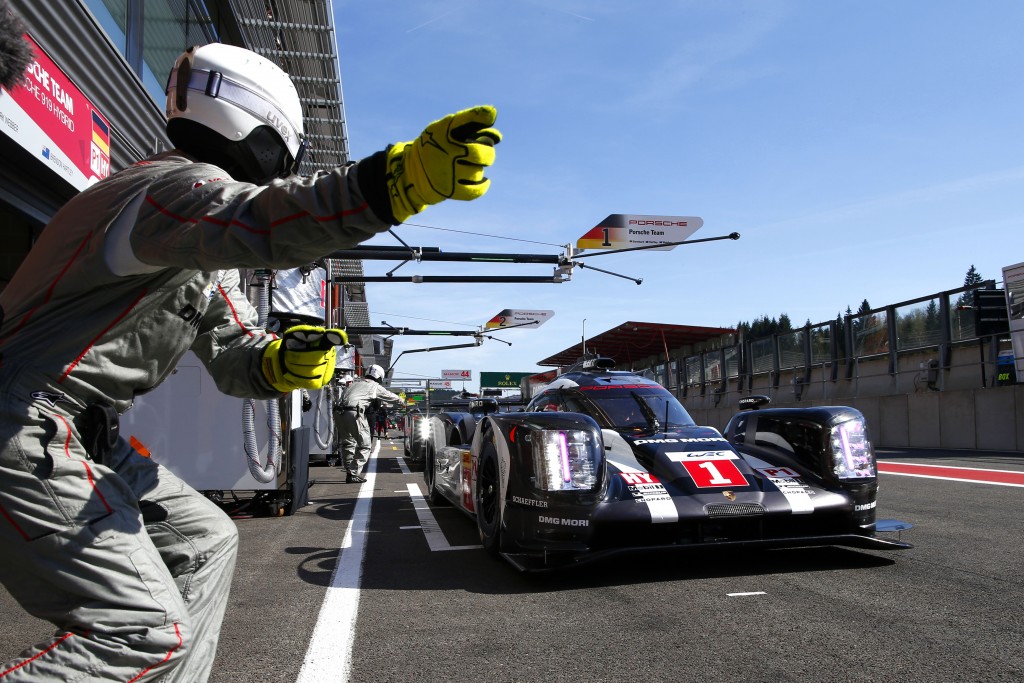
x=918, y=327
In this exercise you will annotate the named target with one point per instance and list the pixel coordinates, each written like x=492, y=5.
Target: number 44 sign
x=710, y=469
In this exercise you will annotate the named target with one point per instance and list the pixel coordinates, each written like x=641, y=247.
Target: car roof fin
x=592, y=362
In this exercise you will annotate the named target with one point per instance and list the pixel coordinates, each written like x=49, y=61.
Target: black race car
x=448, y=423
x=603, y=462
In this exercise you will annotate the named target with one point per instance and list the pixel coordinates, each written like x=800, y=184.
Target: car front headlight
x=565, y=459
x=852, y=455
x=423, y=428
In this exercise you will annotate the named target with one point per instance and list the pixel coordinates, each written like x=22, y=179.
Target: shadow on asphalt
x=397, y=558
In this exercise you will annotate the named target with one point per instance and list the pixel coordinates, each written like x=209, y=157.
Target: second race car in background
x=452, y=422
x=604, y=462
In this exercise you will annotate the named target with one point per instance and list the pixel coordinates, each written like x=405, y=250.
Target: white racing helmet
x=375, y=372
x=232, y=107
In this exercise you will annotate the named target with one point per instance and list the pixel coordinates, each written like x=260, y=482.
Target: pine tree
x=973, y=277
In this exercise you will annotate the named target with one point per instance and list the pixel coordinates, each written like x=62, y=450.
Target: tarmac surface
x=411, y=596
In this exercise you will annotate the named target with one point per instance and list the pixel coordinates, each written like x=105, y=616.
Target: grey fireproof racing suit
x=129, y=563
x=353, y=427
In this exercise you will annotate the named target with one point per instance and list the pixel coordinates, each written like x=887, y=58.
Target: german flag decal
x=100, y=133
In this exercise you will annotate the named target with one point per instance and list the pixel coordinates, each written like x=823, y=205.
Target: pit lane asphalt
x=947, y=610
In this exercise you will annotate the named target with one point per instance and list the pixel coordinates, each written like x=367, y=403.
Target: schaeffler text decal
x=530, y=502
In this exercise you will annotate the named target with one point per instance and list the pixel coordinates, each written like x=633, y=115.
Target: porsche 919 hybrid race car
x=603, y=462
x=447, y=423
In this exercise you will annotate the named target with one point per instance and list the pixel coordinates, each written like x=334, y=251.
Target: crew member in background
x=353, y=425
x=371, y=419
x=337, y=409
x=129, y=563
x=382, y=423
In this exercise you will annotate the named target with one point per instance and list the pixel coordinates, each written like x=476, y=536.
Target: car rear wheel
x=488, y=501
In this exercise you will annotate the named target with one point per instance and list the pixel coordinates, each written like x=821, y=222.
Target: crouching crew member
x=130, y=564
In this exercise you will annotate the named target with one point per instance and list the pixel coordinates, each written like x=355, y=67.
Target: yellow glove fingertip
x=482, y=113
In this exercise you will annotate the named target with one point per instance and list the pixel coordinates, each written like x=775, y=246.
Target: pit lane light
x=565, y=459
x=852, y=455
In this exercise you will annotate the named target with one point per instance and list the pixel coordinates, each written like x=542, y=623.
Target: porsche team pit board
x=511, y=317
x=623, y=231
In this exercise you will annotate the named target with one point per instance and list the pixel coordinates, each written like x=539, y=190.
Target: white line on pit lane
x=743, y=595
x=401, y=463
x=431, y=529
x=329, y=655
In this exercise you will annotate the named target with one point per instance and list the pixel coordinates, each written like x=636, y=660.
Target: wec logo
x=683, y=456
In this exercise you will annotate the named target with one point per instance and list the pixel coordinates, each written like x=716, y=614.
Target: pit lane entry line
x=436, y=540
x=972, y=475
x=329, y=655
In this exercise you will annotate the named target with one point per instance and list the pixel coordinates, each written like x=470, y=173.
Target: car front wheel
x=434, y=496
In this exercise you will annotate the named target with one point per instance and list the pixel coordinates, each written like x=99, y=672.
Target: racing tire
x=488, y=500
x=434, y=496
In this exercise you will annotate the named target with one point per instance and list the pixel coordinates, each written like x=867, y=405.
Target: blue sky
x=864, y=150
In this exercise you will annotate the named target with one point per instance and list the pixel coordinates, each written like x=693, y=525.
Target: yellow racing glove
x=303, y=358
x=445, y=162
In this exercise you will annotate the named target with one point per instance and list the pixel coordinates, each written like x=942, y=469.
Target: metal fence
x=874, y=343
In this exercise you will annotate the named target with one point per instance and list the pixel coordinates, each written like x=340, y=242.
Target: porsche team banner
x=50, y=117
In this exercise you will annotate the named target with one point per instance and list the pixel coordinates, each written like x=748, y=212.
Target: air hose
x=323, y=408
x=260, y=472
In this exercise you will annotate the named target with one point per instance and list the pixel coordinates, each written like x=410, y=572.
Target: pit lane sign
x=465, y=375
x=623, y=231
x=511, y=317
